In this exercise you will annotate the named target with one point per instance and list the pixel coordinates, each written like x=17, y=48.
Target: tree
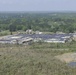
x=12, y=28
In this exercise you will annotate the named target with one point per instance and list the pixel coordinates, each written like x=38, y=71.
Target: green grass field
x=35, y=59
x=7, y=32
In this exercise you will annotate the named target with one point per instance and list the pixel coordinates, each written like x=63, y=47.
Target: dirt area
x=67, y=57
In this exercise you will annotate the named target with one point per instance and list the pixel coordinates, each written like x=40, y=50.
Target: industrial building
x=28, y=38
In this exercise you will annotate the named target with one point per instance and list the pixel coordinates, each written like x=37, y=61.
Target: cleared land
x=67, y=57
x=36, y=59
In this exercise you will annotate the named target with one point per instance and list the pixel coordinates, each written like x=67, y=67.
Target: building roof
x=60, y=37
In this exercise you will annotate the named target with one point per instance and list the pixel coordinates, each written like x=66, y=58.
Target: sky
x=37, y=5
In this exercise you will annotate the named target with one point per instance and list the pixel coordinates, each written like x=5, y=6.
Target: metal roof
x=59, y=37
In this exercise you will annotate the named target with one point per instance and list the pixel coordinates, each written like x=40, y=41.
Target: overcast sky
x=37, y=5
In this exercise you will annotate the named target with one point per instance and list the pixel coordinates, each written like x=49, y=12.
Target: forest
x=49, y=22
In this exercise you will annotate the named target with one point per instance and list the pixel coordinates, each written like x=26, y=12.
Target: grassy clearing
x=7, y=32
x=3, y=33
x=36, y=59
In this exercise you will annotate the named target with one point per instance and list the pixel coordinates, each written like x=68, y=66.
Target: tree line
x=52, y=22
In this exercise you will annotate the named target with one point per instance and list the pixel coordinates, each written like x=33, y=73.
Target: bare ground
x=67, y=57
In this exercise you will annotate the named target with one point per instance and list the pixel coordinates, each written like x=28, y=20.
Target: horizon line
x=38, y=11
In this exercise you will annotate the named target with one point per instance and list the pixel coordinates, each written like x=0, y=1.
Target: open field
x=36, y=59
x=7, y=32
